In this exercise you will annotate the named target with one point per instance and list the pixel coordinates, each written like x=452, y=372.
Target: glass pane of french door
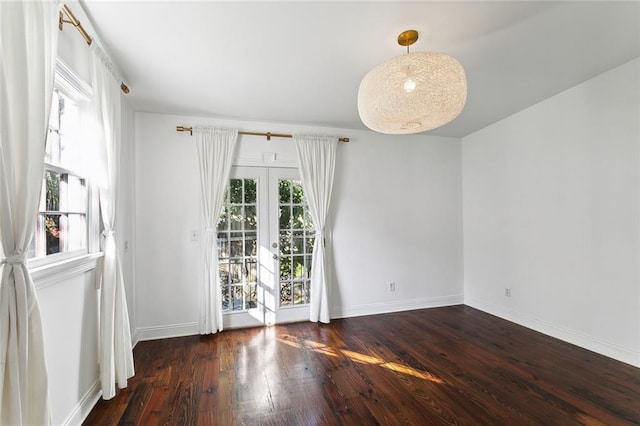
x=296, y=235
x=265, y=243
x=238, y=246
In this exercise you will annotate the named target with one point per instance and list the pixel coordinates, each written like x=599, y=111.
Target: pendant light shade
x=412, y=93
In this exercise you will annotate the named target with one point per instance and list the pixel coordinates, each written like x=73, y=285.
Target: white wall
x=67, y=296
x=396, y=217
x=551, y=210
x=70, y=327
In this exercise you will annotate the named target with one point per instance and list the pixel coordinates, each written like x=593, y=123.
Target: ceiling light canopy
x=412, y=93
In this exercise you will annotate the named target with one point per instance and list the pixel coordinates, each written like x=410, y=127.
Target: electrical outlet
x=507, y=291
x=392, y=286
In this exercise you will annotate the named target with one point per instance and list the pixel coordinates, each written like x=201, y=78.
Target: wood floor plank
x=452, y=365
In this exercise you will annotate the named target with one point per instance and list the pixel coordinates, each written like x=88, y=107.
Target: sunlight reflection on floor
x=360, y=358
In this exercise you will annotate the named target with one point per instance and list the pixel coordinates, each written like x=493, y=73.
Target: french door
x=265, y=244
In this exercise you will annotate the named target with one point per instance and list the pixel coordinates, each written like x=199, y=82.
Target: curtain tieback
x=14, y=259
x=104, y=236
x=210, y=229
x=320, y=237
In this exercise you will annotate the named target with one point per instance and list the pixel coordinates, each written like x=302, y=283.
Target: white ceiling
x=301, y=62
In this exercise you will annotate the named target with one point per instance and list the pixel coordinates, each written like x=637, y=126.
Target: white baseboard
x=164, y=332
x=601, y=347
x=402, y=305
x=190, y=329
x=85, y=405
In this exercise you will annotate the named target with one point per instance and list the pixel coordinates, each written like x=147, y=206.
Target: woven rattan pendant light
x=412, y=93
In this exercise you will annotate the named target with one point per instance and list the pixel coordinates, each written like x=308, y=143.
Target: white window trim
x=59, y=267
x=71, y=84
x=62, y=270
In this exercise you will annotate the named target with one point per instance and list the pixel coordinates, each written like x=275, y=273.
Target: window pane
x=54, y=117
x=285, y=217
x=309, y=245
x=71, y=149
x=307, y=266
x=235, y=217
x=76, y=194
x=285, y=191
x=251, y=218
x=223, y=245
x=298, y=217
x=236, y=247
x=52, y=152
x=237, y=297
x=250, y=245
x=251, y=296
x=298, y=294
x=285, y=243
x=298, y=243
x=307, y=292
x=298, y=194
x=76, y=235
x=285, y=268
x=250, y=195
x=252, y=271
x=285, y=293
x=236, y=272
x=52, y=229
x=235, y=195
x=308, y=222
x=52, y=191
x=298, y=267
x=223, y=267
x=223, y=221
x=225, y=292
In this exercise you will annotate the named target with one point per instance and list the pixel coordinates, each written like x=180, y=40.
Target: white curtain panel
x=28, y=45
x=317, y=163
x=116, y=355
x=215, y=155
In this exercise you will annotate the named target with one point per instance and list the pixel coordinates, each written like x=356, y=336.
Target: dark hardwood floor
x=452, y=365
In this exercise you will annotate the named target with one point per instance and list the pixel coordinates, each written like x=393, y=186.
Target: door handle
x=275, y=256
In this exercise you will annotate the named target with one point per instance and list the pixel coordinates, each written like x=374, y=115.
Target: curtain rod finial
x=185, y=129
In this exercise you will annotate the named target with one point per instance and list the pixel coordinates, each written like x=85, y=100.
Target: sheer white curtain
x=28, y=44
x=317, y=160
x=116, y=356
x=215, y=155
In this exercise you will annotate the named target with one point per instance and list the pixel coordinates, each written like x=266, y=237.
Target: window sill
x=52, y=273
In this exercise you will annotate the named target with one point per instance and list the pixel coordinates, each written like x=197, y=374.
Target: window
x=297, y=236
x=238, y=246
x=62, y=224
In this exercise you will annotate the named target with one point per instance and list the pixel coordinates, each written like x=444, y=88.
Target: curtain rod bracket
x=73, y=21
